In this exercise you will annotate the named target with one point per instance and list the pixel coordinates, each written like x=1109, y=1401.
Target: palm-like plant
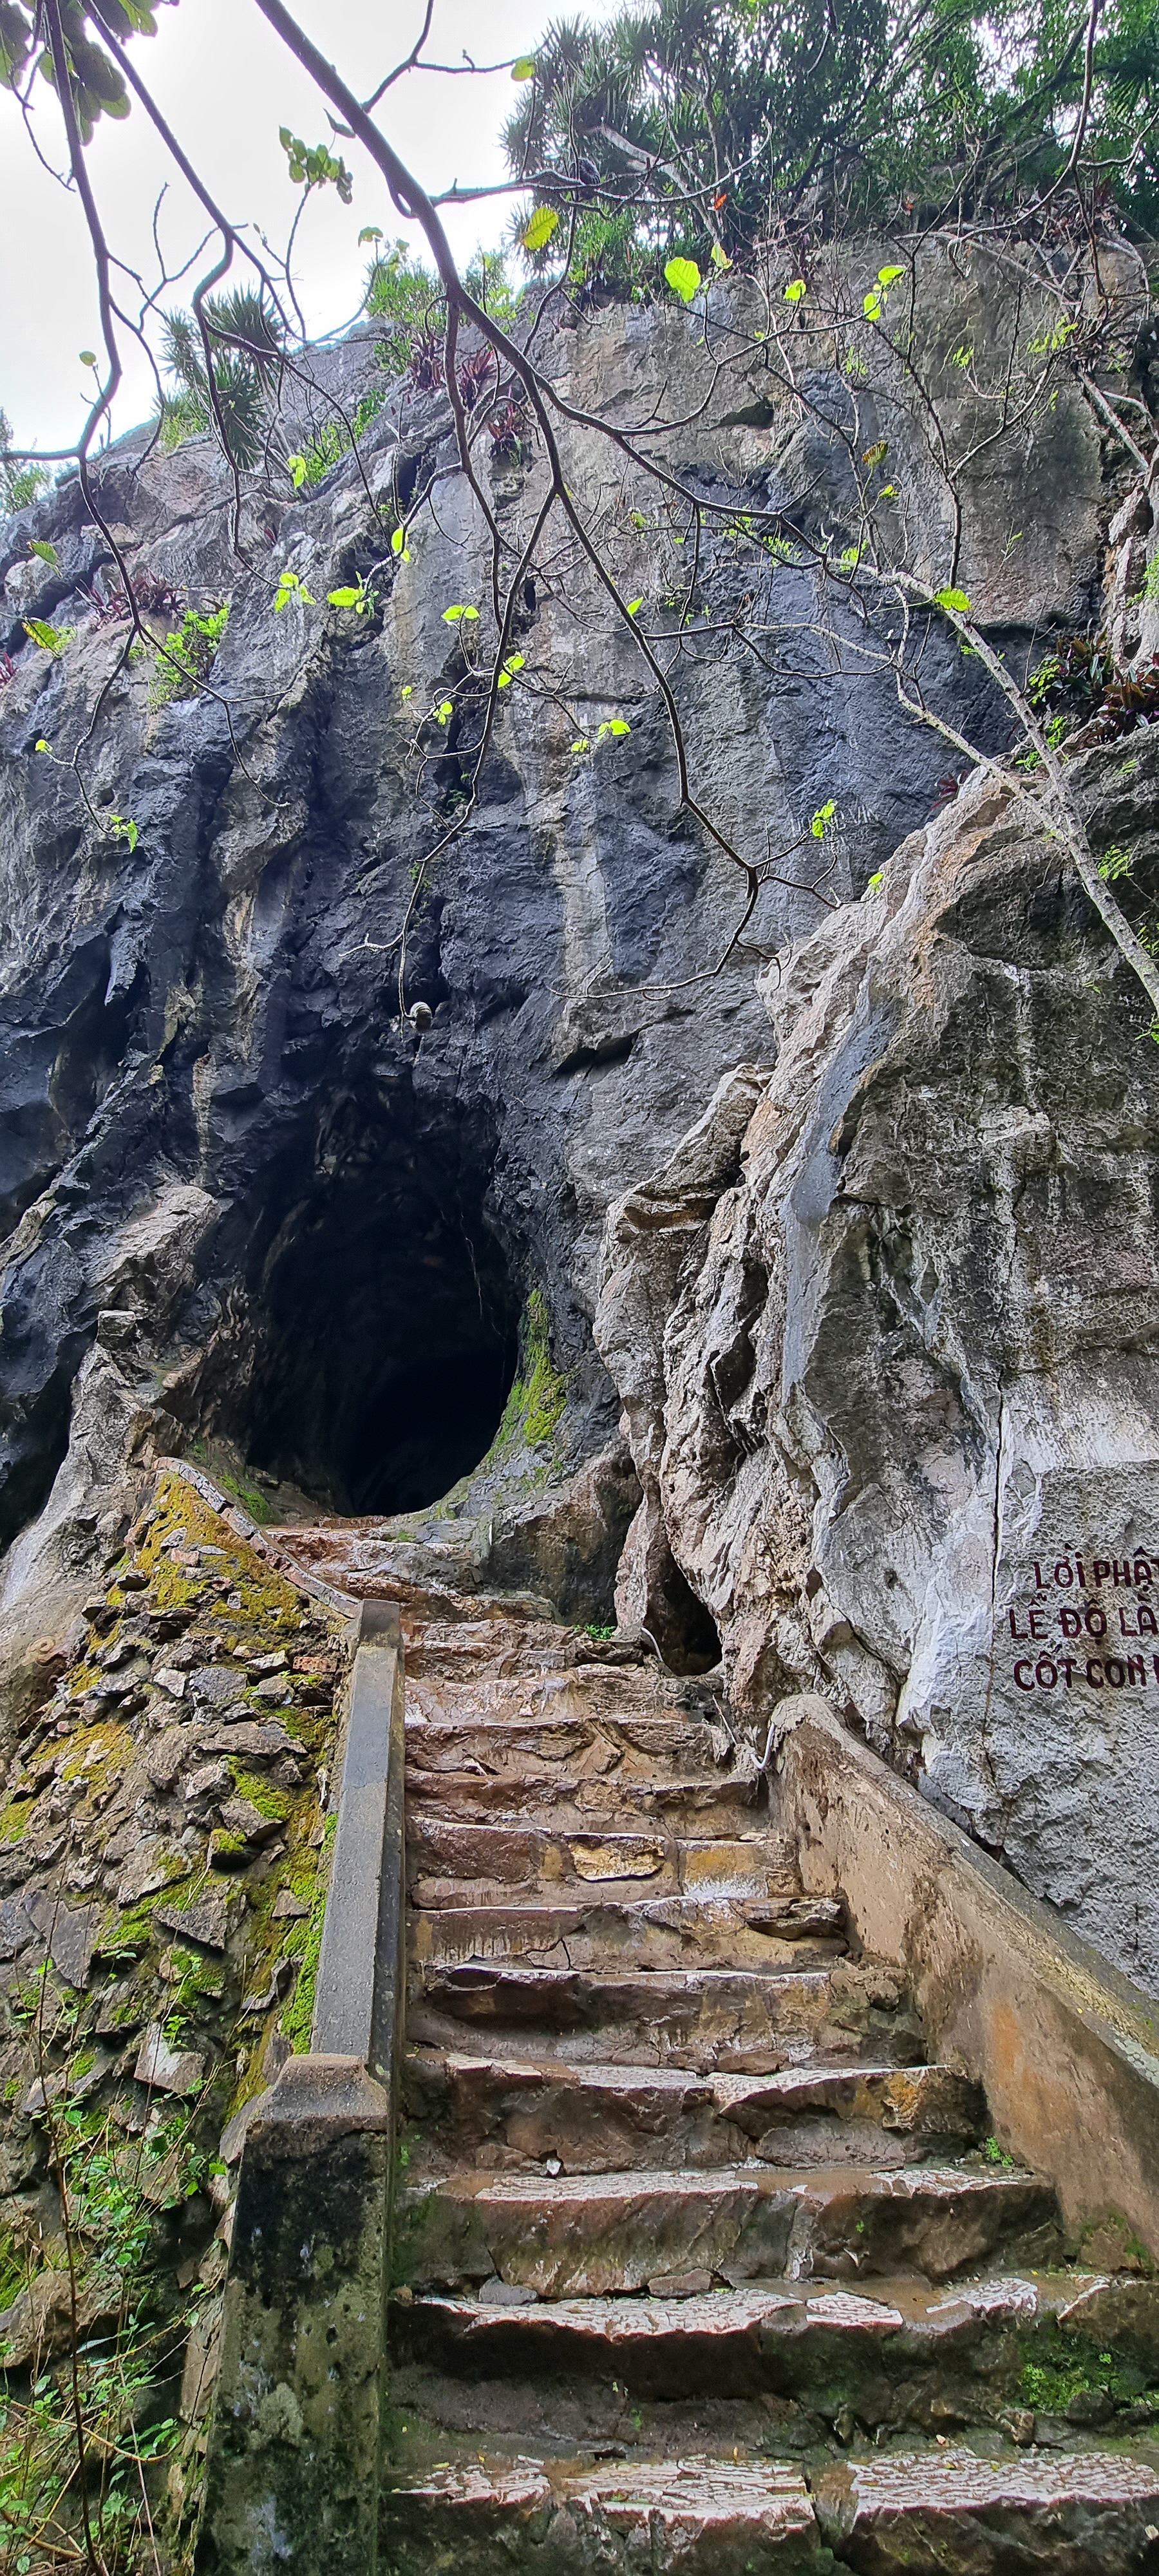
x=245, y=336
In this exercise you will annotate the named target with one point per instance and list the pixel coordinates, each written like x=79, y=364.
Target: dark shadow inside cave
x=383, y=1314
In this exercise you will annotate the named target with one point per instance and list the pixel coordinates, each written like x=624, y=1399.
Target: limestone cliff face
x=893, y=1290
x=886, y=1325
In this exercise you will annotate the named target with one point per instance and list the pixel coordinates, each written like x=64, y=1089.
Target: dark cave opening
x=384, y=1316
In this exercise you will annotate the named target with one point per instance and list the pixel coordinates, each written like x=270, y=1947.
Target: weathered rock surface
x=885, y=1328
x=238, y=1194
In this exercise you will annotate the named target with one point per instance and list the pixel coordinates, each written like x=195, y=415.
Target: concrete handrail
x=1068, y=2049
x=293, y=2467
x=357, y=1999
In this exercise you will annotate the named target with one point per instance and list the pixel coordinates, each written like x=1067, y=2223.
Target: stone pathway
x=701, y=2264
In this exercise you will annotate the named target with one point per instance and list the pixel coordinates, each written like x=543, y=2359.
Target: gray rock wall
x=869, y=1375
x=886, y=1325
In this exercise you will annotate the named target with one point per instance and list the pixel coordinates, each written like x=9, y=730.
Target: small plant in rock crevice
x=184, y=658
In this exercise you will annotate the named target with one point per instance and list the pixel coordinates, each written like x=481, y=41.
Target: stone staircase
x=700, y=2263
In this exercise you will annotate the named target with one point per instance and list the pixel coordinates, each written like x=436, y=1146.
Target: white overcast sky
x=226, y=84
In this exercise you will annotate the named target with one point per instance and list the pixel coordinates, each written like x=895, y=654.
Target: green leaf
x=409, y=690
x=290, y=587
x=634, y=605
x=345, y=598
x=955, y=599
x=720, y=258
x=523, y=68
x=581, y=743
x=451, y=616
x=821, y=820
x=45, y=746
x=370, y=232
x=398, y=544
x=613, y=724
x=123, y=828
x=299, y=469
x=871, y=304
x=88, y=357
x=48, y=554
x=444, y=713
x=683, y=276
x=886, y=276
x=52, y=638
x=540, y=228
x=795, y=291
x=875, y=882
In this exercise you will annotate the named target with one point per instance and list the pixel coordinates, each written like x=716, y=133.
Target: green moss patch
x=538, y=1398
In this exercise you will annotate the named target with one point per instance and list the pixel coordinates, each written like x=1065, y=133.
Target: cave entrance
x=384, y=1317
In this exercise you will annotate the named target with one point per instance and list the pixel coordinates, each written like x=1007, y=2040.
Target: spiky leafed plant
x=246, y=338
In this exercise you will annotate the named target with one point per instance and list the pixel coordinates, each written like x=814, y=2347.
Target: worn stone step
x=701, y=1805
x=898, y=2353
x=527, y=1668
x=529, y=1860
x=589, y=1745
x=707, y=2517
x=609, y=2118
x=702, y=2018
x=662, y=1932
x=1092, y=2515
x=590, y=2235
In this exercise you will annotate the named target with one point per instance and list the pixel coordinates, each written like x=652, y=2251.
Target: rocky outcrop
x=885, y=1330
x=241, y=1197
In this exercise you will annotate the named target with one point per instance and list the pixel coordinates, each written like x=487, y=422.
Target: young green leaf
x=887, y=276
x=398, y=545
x=45, y=746
x=88, y=357
x=613, y=724
x=299, y=469
x=291, y=587
x=795, y=290
x=523, y=68
x=633, y=606
x=955, y=599
x=350, y=598
x=513, y=663
x=123, y=828
x=370, y=232
x=451, y=616
x=537, y=233
x=876, y=881
x=822, y=819
x=871, y=305
x=683, y=276
x=48, y=554
x=444, y=713
x=409, y=690
x=720, y=258
x=581, y=743
x=51, y=638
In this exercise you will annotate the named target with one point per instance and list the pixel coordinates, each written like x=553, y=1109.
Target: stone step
x=1096, y=2514
x=535, y=1667
x=706, y=2019
x=612, y=1741
x=529, y=1861
x=708, y=2517
x=701, y=1805
x=935, y=2513
x=902, y=2354
x=609, y=2118
x=584, y=2235
x=664, y=1932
